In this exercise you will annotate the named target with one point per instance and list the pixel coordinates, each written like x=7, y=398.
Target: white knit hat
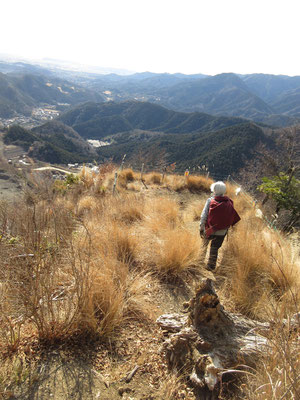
x=218, y=188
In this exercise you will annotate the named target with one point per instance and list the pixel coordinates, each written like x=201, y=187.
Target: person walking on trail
x=217, y=216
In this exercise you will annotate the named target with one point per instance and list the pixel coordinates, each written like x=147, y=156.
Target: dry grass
x=175, y=252
x=277, y=374
x=174, y=388
x=242, y=202
x=161, y=213
x=259, y=268
x=128, y=209
x=154, y=178
x=198, y=184
x=126, y=176
x=113, y=295
x=193, y=210
x=85, y=262
x=193, y=183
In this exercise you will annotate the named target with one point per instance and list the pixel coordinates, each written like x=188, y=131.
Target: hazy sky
x=188, y=36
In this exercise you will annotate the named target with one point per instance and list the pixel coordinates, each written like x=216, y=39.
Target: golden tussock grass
x=276, y=375
x=174, y=388
x=198, y=184
x=172, y=253
x=154, y=178
x=113, y=239
x=82, y=263
x=129, y=175
x=113, y=295
x=85, y=204
x=126, y=176
x=160, y=213
x=193, y=183
x=65, y=203
x=128, y=209
x=259, y=267
x=242, y=202
x=193, y=210
x=175, y=182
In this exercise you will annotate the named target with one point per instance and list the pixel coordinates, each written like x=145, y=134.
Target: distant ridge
x=224, y=94
x=20, y=93
x=266, y=98
x=152, y=131
x=97, y=121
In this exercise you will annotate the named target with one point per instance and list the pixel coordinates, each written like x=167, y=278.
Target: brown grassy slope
x=81, y=262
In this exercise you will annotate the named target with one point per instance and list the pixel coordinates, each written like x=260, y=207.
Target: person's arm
x=204, y=216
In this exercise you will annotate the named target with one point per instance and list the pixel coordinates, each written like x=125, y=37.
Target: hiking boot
x=210, y=267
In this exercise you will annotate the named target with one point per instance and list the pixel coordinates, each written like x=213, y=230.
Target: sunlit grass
x=85, y=261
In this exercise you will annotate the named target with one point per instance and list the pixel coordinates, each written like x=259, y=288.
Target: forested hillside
x=96, y=121
x=53, y=142
x=223, y=152
x=20, y=93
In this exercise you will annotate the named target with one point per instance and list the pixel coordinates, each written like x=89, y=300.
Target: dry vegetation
x=77, y=261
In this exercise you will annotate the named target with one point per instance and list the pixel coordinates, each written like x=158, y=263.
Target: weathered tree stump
x=210, y=342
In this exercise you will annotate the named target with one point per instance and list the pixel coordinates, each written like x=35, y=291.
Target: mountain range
x=188, y=119
x=19, y=93
x=263, y=98
x=159, y=135
x=270, y=99
x=102, y=120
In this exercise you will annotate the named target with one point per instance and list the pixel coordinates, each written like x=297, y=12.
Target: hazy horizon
x=70, y=65
x=196, y=36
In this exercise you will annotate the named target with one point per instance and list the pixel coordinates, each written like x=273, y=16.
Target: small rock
x=123, y=390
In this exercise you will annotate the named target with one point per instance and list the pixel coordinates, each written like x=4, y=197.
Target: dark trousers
x=216, y=243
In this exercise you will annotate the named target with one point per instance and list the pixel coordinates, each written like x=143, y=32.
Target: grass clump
x=277, y=374
x=258, y=268
x=175, y=252
x=198, y=184
x=154, y=178
x=161, y=213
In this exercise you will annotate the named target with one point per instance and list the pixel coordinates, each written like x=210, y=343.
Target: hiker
x=217, y=216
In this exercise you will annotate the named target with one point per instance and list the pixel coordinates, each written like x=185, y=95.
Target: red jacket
x=221, y=215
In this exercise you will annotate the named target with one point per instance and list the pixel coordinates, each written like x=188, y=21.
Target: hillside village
x=38, y=116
